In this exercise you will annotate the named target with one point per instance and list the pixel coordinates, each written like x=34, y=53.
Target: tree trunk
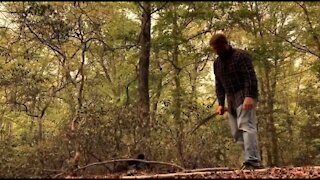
x=193, y=81
x=158, y=90
x=273, y=158
x=311, y=28
x=261, y=123
x=177, y=93
x=40, y=130
x=74, y=162
x=143, y=86
x=272, y=129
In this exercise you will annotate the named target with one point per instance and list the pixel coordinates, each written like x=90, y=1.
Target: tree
x=143, y=88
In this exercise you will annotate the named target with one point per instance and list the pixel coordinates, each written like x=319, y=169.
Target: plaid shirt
x=235, y=77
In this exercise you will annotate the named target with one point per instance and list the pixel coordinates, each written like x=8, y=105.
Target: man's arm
x=220, y=92
x=250, y=79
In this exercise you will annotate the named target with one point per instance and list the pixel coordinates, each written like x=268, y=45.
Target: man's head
x=219, y=44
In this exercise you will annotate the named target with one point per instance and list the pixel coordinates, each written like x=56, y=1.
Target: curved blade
x=203, y=121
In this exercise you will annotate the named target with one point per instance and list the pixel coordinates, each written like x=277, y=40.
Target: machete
x=205, y=120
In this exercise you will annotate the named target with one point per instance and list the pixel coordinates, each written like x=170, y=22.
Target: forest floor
x=306, y=172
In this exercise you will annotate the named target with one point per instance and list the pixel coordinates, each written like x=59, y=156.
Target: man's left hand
x=248, y=103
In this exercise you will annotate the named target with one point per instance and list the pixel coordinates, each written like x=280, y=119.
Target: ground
x=306, y=172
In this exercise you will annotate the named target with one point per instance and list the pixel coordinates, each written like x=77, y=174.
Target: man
x=236, y=80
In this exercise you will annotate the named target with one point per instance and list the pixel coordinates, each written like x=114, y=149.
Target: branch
x=164, y=4
x=314, y=34
x=210, y=169
x=127, y=89
x=175, y=66
x=140, y=5
x=54, y=48
x=27, y=111
x=101, y=41
x=198, y=34
x=48, y=170
x=138, y=160
x=295, y=45
x=125, y=160
x=187, y=173
x=205, y=63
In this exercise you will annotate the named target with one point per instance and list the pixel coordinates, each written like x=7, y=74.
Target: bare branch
x=315, y=36
x=137, y=160
x=33, y=115
x=161, y=7
x=189, y=174
x=54, y=48
x=127, y=89
x=125, y=160
x=140, y=5
x=295, y=45
x=199, y=34
x=205, y=62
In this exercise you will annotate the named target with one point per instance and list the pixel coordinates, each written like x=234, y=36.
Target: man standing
x=236, y=80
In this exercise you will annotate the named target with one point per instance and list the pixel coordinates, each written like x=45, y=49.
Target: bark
x=193, y=79
x=271, y=86
x=40, y=130
x=158, y=90
x=177, y=94
x=271, y=133
x=311, y=28
x=143, y=84
x=74, y=162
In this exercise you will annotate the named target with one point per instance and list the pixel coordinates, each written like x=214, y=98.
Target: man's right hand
x=220, y=110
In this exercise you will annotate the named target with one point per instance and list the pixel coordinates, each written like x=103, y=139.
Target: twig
x=210, y=169
x=140, y=5
x=206, y=171
x=123, y=160
x=126, y=160
x=158, y=9
x=48, y=170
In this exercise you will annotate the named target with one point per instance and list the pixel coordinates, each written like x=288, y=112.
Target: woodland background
x=84, y=82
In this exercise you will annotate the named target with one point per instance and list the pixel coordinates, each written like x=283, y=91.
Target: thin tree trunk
x=177, y=93
x=261, y=122
x=272, y=128
x=158, y=90
x=74, y=162
x=143, y=85
x=40, y=130
x=265, y=108
x=193, y=79
x=33, y=135
x=312, y=30
x=273, y=158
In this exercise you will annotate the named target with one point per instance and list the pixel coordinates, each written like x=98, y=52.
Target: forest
x=89, y=82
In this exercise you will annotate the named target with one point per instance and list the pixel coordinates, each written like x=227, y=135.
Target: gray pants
x=244, y=130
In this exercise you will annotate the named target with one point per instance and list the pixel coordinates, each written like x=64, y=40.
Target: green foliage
x=316, y=68
x=310, y=128
x=41, y=59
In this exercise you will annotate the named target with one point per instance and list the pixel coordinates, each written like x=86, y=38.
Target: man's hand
x=220, y=110
x=248, y=103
